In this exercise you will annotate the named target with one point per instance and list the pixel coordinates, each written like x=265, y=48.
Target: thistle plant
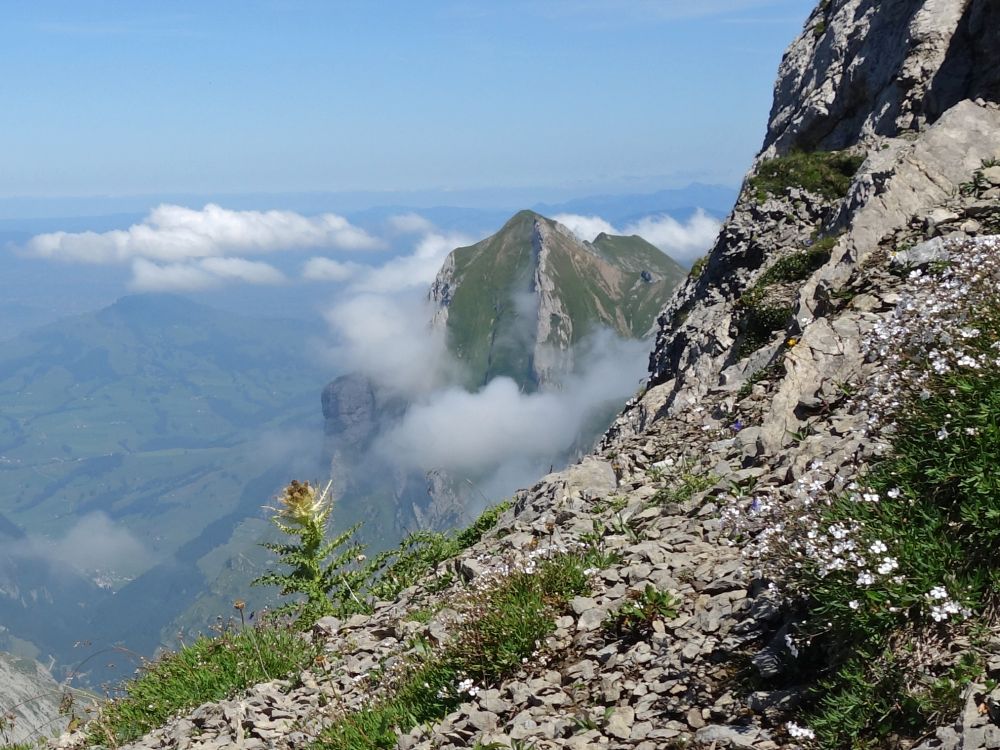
x=324, y=571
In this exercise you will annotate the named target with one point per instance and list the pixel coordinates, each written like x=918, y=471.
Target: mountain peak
x=515, y=303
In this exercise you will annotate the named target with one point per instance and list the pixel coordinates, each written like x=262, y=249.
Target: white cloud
x=389, y=339
x=203, y=274
x=174, y=277
x=94, y=543
x=585, y=227
x=327, y=269
x=502, y=431
x=682, y=241
x=241, y=269
x=174, y=234
x=382, y=322
x=410, y=223
x=418, y=269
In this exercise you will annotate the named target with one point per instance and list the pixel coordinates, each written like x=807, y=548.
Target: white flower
x=894, y=493
x=888, y=565
x=799, y=733
x=854, y=604
x=938, y=592
x=966, y=361
x=878, y=547
x=865, y=578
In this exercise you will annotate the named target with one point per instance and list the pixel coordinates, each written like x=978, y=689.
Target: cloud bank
x=183, y=249
x=94, y=543
x=175, y=233
x=328, y=269
x=682, y=241
x=416, y=270
x=203, y=274
x=502, y=431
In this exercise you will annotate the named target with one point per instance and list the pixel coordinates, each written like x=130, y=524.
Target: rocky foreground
x=738, y=408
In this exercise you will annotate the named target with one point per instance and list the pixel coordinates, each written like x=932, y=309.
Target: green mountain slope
x=135, y=443
x=517, y=302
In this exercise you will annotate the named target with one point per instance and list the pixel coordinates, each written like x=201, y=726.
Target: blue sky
x=125, y=98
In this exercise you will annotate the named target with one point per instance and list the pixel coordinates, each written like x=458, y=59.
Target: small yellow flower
x=791, y=341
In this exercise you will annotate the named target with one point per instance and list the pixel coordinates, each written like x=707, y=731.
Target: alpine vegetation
x=897, y=564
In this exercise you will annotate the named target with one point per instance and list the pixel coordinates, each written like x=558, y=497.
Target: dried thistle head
x=299, y=502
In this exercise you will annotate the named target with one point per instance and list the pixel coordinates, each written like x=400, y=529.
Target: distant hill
x=162, y=422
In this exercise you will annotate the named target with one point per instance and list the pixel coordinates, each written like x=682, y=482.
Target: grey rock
x=620, y=722
x=923, y=254
x=694, y=718
x=484, y=721
x=743, y=736
x=992, y=175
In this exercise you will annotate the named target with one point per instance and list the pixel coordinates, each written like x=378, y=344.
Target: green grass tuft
x=825, y=173
x=210, y=669
x=422, y=551
x=635, y=618
x=801, y=265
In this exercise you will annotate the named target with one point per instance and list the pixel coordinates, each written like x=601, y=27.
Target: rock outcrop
x=29, y=700
x=867, y=69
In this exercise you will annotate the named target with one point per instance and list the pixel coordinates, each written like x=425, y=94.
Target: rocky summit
x=871, y=215
x=516, y=303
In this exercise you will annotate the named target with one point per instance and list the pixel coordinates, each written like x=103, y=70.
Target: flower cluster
x=934, y=330
x=942, y=606
x=799, y=733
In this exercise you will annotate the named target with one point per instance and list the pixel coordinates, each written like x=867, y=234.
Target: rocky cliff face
x=29, y=701
x=868, y=68
x=763, y=380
